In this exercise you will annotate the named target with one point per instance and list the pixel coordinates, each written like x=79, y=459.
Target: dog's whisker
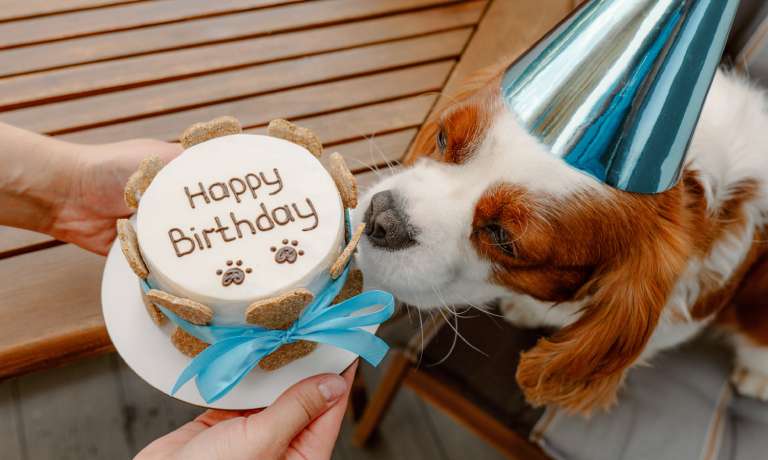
x=480, y=309
x=372, y=168
x=450, y=349
x=455, y=328
x=373, y=147
x=421, y=331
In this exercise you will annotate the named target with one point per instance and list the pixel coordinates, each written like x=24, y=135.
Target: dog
x=482, y=212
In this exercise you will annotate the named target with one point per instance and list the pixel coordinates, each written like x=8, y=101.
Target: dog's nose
x=386, y=225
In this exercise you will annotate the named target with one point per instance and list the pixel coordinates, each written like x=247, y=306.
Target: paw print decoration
x=287, y=254
x=233, y=274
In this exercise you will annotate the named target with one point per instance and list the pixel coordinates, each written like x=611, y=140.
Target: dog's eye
x=441, y=140
x=500, y=238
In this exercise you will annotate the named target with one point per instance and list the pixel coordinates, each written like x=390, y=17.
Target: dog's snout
x=386, y=223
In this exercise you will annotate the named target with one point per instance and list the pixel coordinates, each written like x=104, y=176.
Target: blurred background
x=363, y=74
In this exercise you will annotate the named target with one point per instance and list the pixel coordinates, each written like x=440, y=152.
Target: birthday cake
x=240, y=229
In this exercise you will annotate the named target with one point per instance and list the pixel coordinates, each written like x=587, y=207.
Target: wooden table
x=363, y=74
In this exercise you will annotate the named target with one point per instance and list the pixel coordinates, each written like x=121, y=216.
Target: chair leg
x=387, y=389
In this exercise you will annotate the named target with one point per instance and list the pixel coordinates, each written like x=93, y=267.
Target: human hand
x=94, y=200
x=303, y=423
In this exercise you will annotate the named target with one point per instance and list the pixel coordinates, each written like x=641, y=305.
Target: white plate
x=147, y=348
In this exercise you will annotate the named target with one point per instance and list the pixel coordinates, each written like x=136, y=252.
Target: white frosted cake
x=240, y=229
x=240, y=218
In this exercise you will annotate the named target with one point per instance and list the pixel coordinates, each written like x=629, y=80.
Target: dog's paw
x=751, y=383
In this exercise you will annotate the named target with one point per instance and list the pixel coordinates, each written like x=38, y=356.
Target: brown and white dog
x=483, y=212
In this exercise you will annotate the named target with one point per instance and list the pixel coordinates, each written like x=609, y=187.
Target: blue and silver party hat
x=616, y=89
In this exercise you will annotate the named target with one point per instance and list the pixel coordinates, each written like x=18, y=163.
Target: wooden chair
x=473, y=384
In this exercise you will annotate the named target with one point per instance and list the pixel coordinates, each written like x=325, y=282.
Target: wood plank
x=506, y=30
x=166, y=97
x=54, y=293
x=68, y=83
x=14, y=239
x=10, y=429
x=147, y=412
x=121, y=17
x=73, y=412
x=375, y=154
x=204, y=31
x=355, y=124
x=291, y=104
x=19, y=9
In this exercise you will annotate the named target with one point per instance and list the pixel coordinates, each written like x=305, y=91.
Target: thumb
x=298, y=406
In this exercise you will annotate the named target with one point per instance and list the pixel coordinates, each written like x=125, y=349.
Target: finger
x=298, y=406
x=349, y=373
x=319, y=438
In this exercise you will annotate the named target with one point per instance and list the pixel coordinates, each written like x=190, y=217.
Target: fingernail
x=332, y=387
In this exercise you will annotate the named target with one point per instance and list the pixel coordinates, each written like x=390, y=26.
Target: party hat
x=616, y=89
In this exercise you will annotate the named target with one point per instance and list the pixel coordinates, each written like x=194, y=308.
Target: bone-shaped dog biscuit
x=284, y=129
x=187, y=343
x=140, y=180
x=201, y=132
x=130, y=246
x=157, y=316
x=186, y=309
x=345, y=181
x=352, y=287
x=338, y=267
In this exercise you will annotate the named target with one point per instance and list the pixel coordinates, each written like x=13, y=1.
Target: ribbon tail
x=340, y=316
x=200, y=362
x=218, y=379
x=360, y=342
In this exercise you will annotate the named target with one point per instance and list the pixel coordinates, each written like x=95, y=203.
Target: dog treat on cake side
x=240, y=229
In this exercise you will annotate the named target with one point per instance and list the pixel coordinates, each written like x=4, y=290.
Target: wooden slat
x=291, y=104
x=375, y=153
x=18, y=9
x=130, y=16
x=203, y=31
x=100, y=77
x=13, y=240
x=50, y=309
x=135, y=103
x=355, y=124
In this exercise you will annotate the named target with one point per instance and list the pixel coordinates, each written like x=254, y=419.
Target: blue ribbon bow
x=236, y=350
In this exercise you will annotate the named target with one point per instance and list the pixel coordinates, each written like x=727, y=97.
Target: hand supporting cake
x=228, y=233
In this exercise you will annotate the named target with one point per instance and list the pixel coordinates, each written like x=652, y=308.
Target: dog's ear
x=478, y=81
x=581, y=367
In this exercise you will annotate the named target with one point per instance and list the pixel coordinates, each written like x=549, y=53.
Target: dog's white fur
x=730, y=144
